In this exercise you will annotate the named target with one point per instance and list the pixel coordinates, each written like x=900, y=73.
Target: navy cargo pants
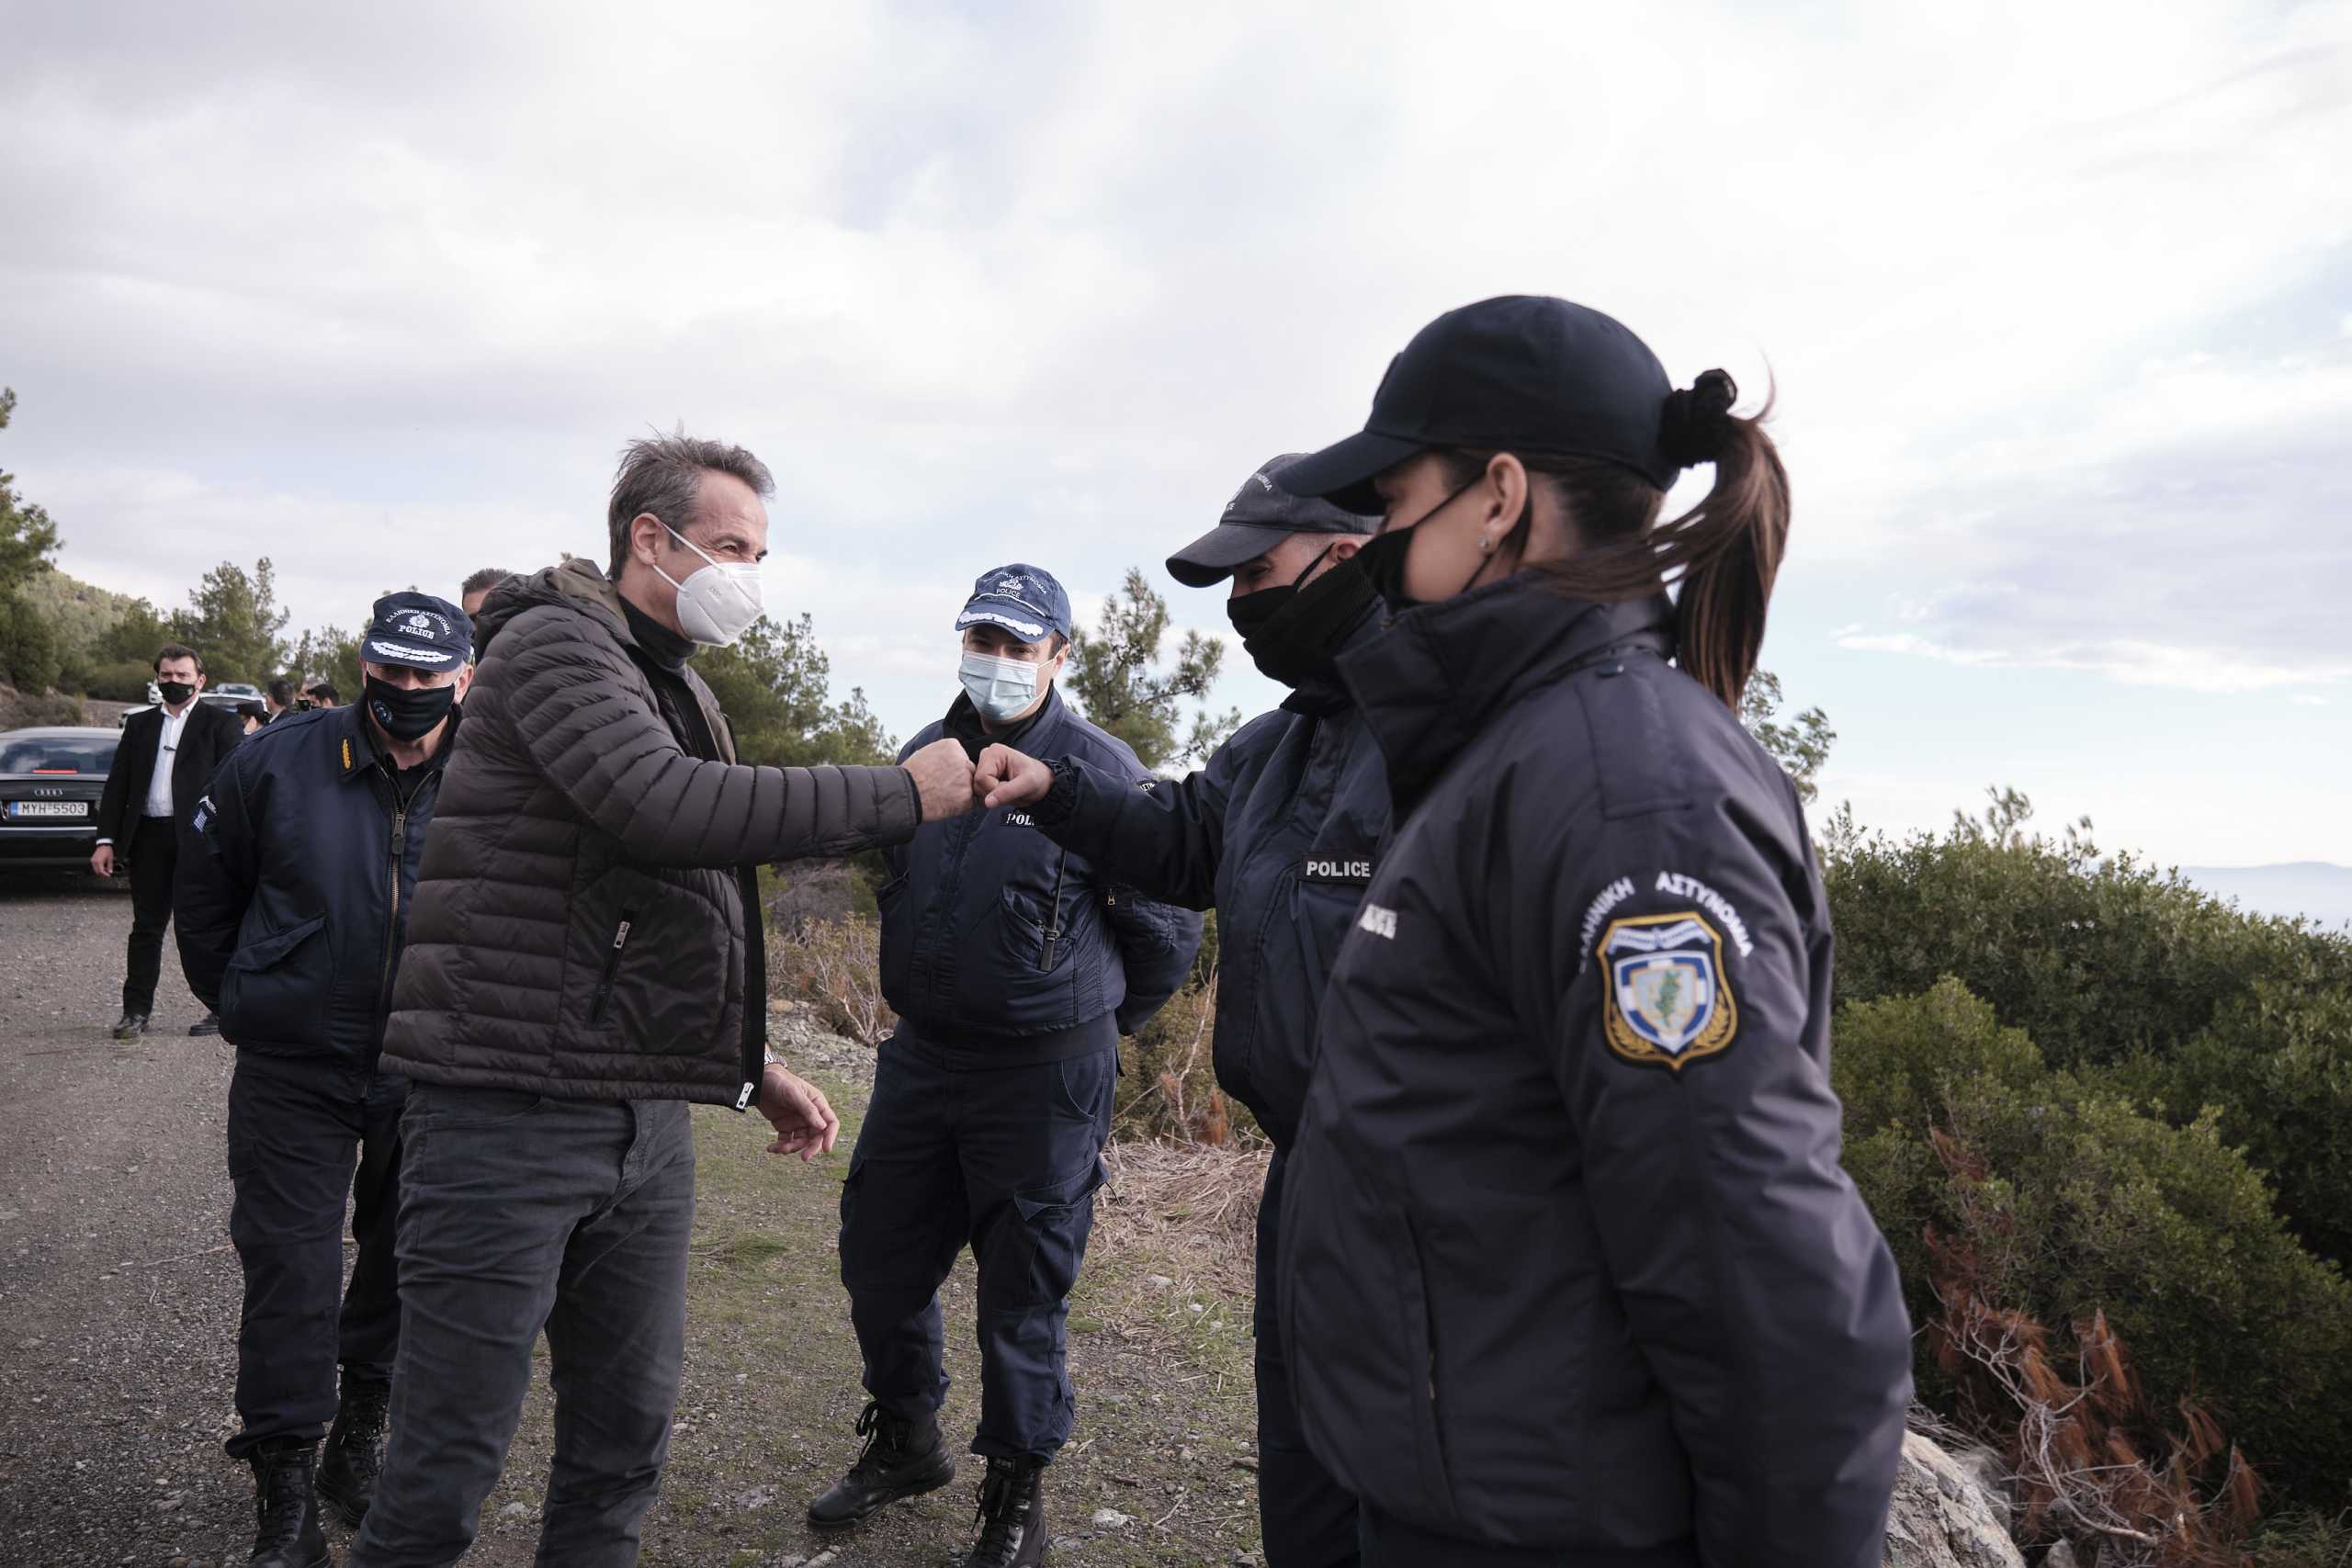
x=304, y=1138
x=1006, y=1159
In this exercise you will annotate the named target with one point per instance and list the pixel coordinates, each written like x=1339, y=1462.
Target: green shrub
x=2096, y=960
x=118, y=680
x=30, y=659
x=2302, y=1538
x=1167, y=1088
x=2277, y=1073
x=2065, y=1200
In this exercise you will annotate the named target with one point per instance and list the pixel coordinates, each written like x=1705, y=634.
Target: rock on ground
x=1945, y=1516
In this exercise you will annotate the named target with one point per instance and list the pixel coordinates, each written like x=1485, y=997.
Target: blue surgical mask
x=1002, y=689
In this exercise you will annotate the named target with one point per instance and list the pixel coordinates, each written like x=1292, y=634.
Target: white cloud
x=2053, y=295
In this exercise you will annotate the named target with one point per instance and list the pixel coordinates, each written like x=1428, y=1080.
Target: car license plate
x=49, y=808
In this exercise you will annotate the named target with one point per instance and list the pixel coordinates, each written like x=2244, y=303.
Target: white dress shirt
x=167, y=745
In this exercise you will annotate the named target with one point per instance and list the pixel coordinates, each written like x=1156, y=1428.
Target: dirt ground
x=118, y=1298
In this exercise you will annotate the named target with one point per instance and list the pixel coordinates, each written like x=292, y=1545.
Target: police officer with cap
x=1014, y=964
x=1279, y=832
x=1573, y=1274
x=291, y=916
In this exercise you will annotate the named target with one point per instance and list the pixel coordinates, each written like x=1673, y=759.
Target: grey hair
x=488, y=577
x=662, y=474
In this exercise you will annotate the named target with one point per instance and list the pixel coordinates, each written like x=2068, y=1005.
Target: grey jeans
x=519, y=1214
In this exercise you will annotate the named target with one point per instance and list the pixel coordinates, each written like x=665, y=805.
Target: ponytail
x=1722, y=556
x=1729, y=547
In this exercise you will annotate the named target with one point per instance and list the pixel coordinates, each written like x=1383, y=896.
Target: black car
x=49, y=784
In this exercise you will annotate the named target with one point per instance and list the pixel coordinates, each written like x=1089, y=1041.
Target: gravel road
x=120, y=1293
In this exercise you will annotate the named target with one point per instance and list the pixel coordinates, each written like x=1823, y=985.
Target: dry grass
x=1196, y=1205
x=836, y=966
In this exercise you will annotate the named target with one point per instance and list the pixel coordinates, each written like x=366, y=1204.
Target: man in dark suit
x=165, y=758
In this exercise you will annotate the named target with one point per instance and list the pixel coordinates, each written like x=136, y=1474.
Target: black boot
x=355, y=1449
x=1011, y=1517
x=903, y=1458
x=286, y=1522
x=209, y=1024
x=130, y=1025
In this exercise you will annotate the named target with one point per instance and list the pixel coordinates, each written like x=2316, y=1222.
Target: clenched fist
x=943, y=776
x=1006, y=777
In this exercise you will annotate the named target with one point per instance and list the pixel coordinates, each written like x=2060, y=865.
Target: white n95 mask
x=1001, y=688
x=717, y=602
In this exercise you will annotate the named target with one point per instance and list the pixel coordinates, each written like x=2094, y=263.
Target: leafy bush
x=2063, y=1200
x=2276, y=1071
x=30, y=659
x=2302, y=1538
x=2096, y=960
x=119, y=680
x=1168, y=1087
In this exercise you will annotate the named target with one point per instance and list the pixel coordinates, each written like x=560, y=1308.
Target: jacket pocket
x=1357, y=1330
x=276, y=989
x=1031, y=940
x=653, y=966
x=601, y=999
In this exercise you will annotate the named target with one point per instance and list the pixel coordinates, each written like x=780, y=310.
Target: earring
x=1487, y=546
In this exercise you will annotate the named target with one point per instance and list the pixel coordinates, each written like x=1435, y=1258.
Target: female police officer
x=1572, y=1275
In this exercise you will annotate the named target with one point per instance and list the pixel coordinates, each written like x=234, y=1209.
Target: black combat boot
x=1011, y=1517
x=904, y=1458
x=285, y=1520
x=355, y=1449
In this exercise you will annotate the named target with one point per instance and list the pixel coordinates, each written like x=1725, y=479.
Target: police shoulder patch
x=1666, y=996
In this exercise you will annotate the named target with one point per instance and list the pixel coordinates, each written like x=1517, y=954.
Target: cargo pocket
x=275, y=990
x=1055, y=1224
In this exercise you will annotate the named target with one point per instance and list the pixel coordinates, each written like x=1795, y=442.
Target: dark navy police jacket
x=293, y=906
x=999, y=943
x=1570, y=1263
x=1280, y=832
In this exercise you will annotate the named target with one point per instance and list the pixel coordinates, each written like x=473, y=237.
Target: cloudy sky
x=2058, y=299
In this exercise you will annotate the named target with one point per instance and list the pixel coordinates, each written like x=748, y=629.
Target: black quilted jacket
x=579, y=924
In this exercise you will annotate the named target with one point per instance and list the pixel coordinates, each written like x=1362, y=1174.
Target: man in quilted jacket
x=583, y=960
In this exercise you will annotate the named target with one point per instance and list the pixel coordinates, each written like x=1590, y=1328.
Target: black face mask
x=1384, y=555
x=175, y=692
x=1250, y=613
x=1289, y=631
x=408, y=713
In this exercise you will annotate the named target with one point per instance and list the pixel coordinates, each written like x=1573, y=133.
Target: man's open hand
x=805, y=1124
x=943, y=776
x=1007, y=778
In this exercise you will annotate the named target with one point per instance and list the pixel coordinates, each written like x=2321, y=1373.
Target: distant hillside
x=81, y=612
x=2312, y=887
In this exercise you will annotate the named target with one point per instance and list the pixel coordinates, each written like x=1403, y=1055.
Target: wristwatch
x=774, y=1060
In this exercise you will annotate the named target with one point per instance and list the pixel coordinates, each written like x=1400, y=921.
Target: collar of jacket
x=1431, y=682
x=1326, y=694
x=582, y=588
x=963, y=724
x=355, y=742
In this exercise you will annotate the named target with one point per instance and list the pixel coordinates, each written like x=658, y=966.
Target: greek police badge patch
x=1667, y=1000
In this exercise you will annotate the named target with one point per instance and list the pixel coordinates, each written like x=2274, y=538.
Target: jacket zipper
x=399, y=854
x=604, y=993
